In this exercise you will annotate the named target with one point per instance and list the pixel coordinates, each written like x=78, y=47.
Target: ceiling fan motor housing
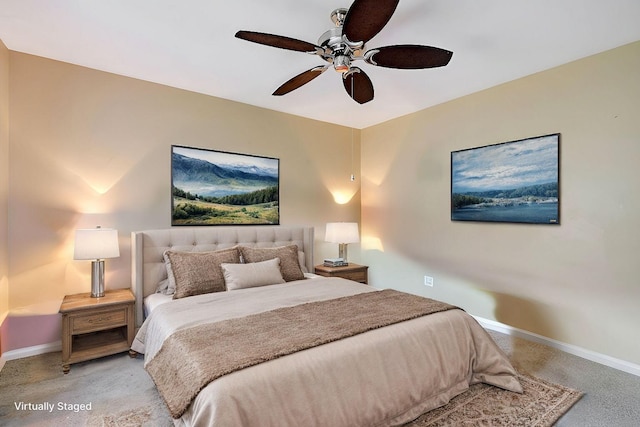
x=336, y=50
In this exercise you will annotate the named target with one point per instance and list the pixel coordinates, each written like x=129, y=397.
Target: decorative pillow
x=199, y=272
x=239, y=276
x=289, y=265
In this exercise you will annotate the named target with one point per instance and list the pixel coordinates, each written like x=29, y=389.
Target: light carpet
x=122, y=394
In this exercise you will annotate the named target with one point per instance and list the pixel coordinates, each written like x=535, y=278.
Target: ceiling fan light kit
x=344, y=44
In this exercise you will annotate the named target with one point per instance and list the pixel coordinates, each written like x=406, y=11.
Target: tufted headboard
x=148, y=247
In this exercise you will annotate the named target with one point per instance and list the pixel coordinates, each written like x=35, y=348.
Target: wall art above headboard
x=211, y=187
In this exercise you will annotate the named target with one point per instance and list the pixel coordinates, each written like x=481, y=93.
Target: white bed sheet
x=155, y=300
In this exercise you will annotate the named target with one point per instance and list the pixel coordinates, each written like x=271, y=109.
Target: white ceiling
x=190, y=44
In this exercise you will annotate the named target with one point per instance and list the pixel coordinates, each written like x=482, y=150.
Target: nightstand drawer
x=355, y=272
x=98, y=321
x=356, y=276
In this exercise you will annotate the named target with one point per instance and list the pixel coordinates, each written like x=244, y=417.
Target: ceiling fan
x=344, y=44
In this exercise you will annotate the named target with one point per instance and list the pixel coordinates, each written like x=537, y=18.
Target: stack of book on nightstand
x=335, y=262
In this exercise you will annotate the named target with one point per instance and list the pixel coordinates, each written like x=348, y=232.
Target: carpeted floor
x=120, y=393
x=118, y=390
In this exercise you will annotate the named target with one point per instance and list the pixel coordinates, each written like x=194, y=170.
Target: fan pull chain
x=353, y=177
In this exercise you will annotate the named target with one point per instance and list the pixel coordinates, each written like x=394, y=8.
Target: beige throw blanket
x=192, y=358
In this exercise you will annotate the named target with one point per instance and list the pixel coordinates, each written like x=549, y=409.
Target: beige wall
x=4, y=185
x=577, y=282
x=90, y=148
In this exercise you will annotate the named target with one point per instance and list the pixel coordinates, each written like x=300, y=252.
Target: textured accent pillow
x=289, y=265
x=240, y=276
x=200, y=272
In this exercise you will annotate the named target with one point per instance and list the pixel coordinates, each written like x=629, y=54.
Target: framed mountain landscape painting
x=220, y=188
x=515, y=181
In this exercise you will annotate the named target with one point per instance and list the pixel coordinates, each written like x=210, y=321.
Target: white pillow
x=301, y=261
x=239, y=276
x=163, y=286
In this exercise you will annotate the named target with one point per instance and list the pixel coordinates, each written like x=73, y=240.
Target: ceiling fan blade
x=358, y=85
x=366, y=18
x=278, y=41
x=300, y=80
x=408, y=56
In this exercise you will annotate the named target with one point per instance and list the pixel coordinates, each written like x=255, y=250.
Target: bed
x=308, y=350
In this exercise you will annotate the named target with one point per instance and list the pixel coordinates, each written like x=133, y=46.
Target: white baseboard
x=593, y=356
x=31, y=351
x=2, y=362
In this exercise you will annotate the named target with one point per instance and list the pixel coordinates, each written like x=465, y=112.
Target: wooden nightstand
x=96, y=327
x=355, y=272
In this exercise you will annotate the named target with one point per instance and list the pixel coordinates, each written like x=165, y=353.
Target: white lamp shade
x=96, y=243
x=342, y=232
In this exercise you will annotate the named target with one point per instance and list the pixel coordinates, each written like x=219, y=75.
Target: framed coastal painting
x=516, y=181
x=212, y=187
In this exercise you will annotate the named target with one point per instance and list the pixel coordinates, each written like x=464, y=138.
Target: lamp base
x=342, y=251
x=97, y=278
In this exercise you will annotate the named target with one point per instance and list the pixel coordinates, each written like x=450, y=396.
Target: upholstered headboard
x=148, y=247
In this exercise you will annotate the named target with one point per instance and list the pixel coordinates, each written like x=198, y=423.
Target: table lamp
x=96, y=244
x=342, y=233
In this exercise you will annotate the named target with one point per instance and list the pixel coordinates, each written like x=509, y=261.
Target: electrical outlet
x=428, y=281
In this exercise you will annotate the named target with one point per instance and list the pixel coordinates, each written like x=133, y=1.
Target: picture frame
x=211, y=187
x=512, y=182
